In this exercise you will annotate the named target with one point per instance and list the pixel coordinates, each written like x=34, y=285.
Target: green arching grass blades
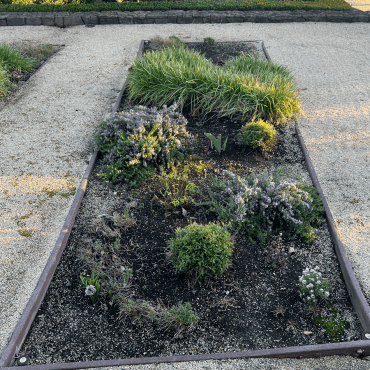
x=11, y=58
x=246, y=86
x=5, y=84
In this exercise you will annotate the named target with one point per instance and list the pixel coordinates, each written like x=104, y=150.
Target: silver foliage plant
x=90, y=290
x=143, y=135
x=258, y=203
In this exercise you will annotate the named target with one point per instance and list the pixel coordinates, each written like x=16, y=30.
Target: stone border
x=66, y=19
x=358, y=348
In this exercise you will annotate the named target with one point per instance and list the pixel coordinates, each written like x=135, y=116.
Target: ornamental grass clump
x=260, y=204
x=178, y=317
x=12, y=61
x=5, y=84
x=203, y=251
x=136, y=141
x=11, y=58
x=259, y=134
x=246, y=86
x=313, y=286
x=177, y=191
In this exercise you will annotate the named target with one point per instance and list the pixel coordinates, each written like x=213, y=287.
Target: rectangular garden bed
x=123, y=234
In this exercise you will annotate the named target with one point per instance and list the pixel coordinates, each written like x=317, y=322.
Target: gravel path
x=46, y=139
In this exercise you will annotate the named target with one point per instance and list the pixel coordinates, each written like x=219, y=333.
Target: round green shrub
x=259, y=134
x=204, y=251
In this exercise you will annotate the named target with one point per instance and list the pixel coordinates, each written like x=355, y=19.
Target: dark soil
x=254, y=305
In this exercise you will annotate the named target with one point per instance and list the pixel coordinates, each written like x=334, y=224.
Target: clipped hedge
x=85, y=6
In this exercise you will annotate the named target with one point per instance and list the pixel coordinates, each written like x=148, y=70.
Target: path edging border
x=68, y=19
x=359, y=348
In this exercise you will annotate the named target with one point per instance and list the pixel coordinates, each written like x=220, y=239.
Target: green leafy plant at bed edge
x=209, y=40
x=333, y=325
x=177, y=42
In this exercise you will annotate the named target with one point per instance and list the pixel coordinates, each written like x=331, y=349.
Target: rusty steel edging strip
x=358, y=299
x=318, y=350
x=46, y=61
x=266, y=53
x=35, y=72
x=33, y=305
x=24, y=324
x=354, y=290
x=29, y=313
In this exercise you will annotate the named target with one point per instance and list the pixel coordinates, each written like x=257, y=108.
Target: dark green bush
x=203, y=251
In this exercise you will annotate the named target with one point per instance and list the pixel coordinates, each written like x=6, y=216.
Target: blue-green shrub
x=263, y=203
x=136, y=141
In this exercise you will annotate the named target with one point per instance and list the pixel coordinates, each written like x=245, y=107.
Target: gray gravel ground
x=326, y=363
x=46, y=138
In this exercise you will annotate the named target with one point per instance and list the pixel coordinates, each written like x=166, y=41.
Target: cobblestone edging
x=65, y=19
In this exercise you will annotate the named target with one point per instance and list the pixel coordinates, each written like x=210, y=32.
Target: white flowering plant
x=262, y=204
x=313, y=286
x=136, y=141
x=92, y=284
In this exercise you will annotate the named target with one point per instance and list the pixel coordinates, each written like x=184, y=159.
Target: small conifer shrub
x=204, y=251
x=259, y=134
